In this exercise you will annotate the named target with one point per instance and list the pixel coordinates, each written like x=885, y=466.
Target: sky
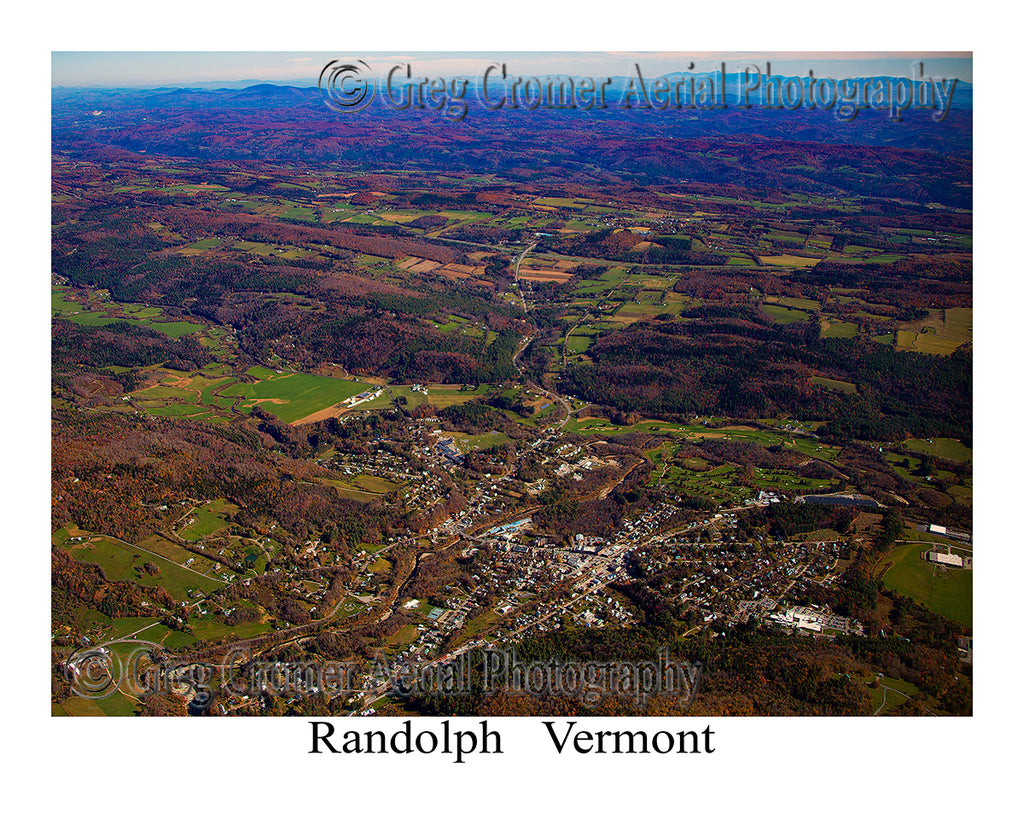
x=172, y=68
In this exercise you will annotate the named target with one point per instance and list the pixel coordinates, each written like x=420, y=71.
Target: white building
x=946, y=559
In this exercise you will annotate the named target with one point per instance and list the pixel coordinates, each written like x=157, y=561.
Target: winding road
x=519, y=287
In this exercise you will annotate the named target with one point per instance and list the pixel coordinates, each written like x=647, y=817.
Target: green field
x=373, y=483
x=478, y=624
x=784, y=315
x=380, y=565
x=948, y=592
x=350, y=607
x=962, y=493
x=121, y=562
x=362, y=488
x=800, y=443
x=562, y=202
x=635, y=312
x=116, y=705
x=125, y=629
x=346, y=490
x=453, y=323
x=206, y=244
x=121, y=627
x=578, y=343
x=445, y=395
x=838, y=329
x=174, y=329
x=482, y=441
x=800, y=304
x=925, y=343
x=834, y=384
x=101, y=314
x=947, y=448
x=211, y=628
x=958, y=322
x=891, y=700
x=788, y=260
x=161, y=393
x=291, y=396
x=176, y=410
x=299, y=212
x=401, y=638
x=260, y=372
x=940, y=333
x=205, y=522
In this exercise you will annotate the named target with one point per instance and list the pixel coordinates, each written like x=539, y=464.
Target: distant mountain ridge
x=289, y=122
x=963, y=92
x=268, y=92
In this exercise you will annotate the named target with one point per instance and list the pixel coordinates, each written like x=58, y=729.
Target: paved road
x=554, y=396
x=519, y=287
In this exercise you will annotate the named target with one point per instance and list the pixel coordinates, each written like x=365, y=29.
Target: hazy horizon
x=110, y=69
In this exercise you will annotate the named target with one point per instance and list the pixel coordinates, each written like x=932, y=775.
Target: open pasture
x=291, y=396
x=947, y=592
x=121, y=562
